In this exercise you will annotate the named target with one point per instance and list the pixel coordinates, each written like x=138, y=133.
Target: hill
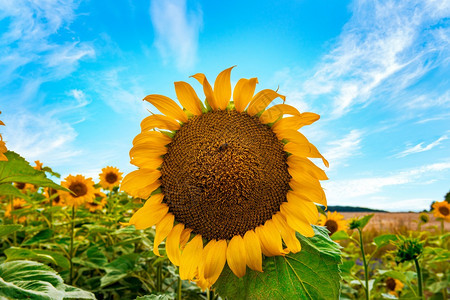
x=339, y=208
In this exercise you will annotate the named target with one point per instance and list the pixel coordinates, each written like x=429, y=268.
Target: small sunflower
x=228, y=181
x=2, y=145
x=110, y=177
x=17, y=204
x=441, y=210
x=82, y=188
x=57, y=199
x=24, y=187
x=334, y=222
x=394, y=286
x=98, y=203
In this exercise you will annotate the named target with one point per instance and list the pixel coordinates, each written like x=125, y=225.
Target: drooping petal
x=304, y=164
x=148, y=149
x=188, y=97
x=313, y=194
x=287, y=233
x=148, y=215
x=163, y=229
x=295, y=122
x=304, y=178
x=236, y=256
x=173, y=244
x=296, y=220
x=190, y=258
x=308, y=208
x=270, y=239
x=147, y=162
x=261, y=100
x=141, y=183
x=167, y=106
x=253, y=255
x=215, y=261
x=159, y=121
x=207, y=89
x=185, y=235
x=243, y=93
x=201, y=281
x=152, y=137
x=222, y=88
x=305, y=150
x=277, y=111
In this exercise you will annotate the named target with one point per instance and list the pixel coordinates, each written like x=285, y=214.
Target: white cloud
x=421, y=148
x=338, y=151
x=176, y=29
x=387, y=46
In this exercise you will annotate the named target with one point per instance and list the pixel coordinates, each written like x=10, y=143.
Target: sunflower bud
x=407, y=249
x=424, y=218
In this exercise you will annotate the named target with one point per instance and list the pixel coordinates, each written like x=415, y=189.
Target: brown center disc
x=224, y=173
x=111, y=177
x=390, y=283
x=79, y=188
x=332, y=226
x=444, y=210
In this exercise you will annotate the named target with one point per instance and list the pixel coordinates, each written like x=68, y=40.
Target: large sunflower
x=110, y=177
x=2, y=145
x=82, y=190
x=442, y=210
x=228, y=181
x=334, y=222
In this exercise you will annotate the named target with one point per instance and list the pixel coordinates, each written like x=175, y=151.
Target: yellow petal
x=148, y=215
x=207, y=89
x=308, y=208
x=201, y=281
x=287, y=233
x=163, y=228
x=270, y=239
x=304, y=178
x=147, y=162
x=173, y=244
x=159, y=121
x=141, y=183
x=185, y=235
x=151, y=149
x=222, y=88
x=215, y=261
x=313, y=194
x=153, y=137
x=243, y=93
x=167, y=106
x=261, y=100
x=295, y=122
x=253, y=255
x=296, y=220
x=277, y=111
x=304, y=164
x=236, y=256
x=305, y=150
x=188, y=97
x=190, y=258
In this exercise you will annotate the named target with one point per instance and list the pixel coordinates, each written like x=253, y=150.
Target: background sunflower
x=110, y=177
x=442, y=210
x=334, y=222
x=82, y=188
x=228, y=181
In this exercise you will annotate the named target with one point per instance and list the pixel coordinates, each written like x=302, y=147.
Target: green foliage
x=302, y=275
x=8, y=229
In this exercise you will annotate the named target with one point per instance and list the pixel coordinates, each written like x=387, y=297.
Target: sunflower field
x=225, y=203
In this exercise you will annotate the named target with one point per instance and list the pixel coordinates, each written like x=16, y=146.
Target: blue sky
x=73, y=75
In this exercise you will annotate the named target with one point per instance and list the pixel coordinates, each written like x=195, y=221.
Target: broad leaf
x=41, y=236
x=385, y=239
x=17, y=169
x=72, y=292
x=364, y=220
x=168, y=296
x=8, y=229
x=340, y=235
x=119, y=268
x=313, y=273
x=7, y=189
x=37, y=255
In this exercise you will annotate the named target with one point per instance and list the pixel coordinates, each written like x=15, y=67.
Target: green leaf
x=340, y=235
x=385, y=239
x=38, y=255
x=312, y=273
x=119, y=268
x=72, y=292
x=8, y=229
x=168, y=296
x=96, y=257
x=7, y=189
x=30, y=280
x=364, y=220
x=17, y=169
x=41, y=236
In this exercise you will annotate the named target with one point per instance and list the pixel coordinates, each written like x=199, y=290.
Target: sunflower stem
x=419, y=277
x=11, y=203
x=442, y=226
x=179, y=289
x=72, y=235
x=366, y=271
x=159, y=277
x=208, y=294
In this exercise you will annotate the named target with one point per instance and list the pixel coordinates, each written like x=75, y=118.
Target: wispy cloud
x=382, y=39
x=340, y=150
x=176, y=29
x=421, y=148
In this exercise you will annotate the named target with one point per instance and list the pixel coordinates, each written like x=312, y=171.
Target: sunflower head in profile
x=393, y=285
x=2, y=145
x=441, y=210
x=228, y=179
x=82, y=190
x=334, y=222
x=110, y=177
x=53, y=194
